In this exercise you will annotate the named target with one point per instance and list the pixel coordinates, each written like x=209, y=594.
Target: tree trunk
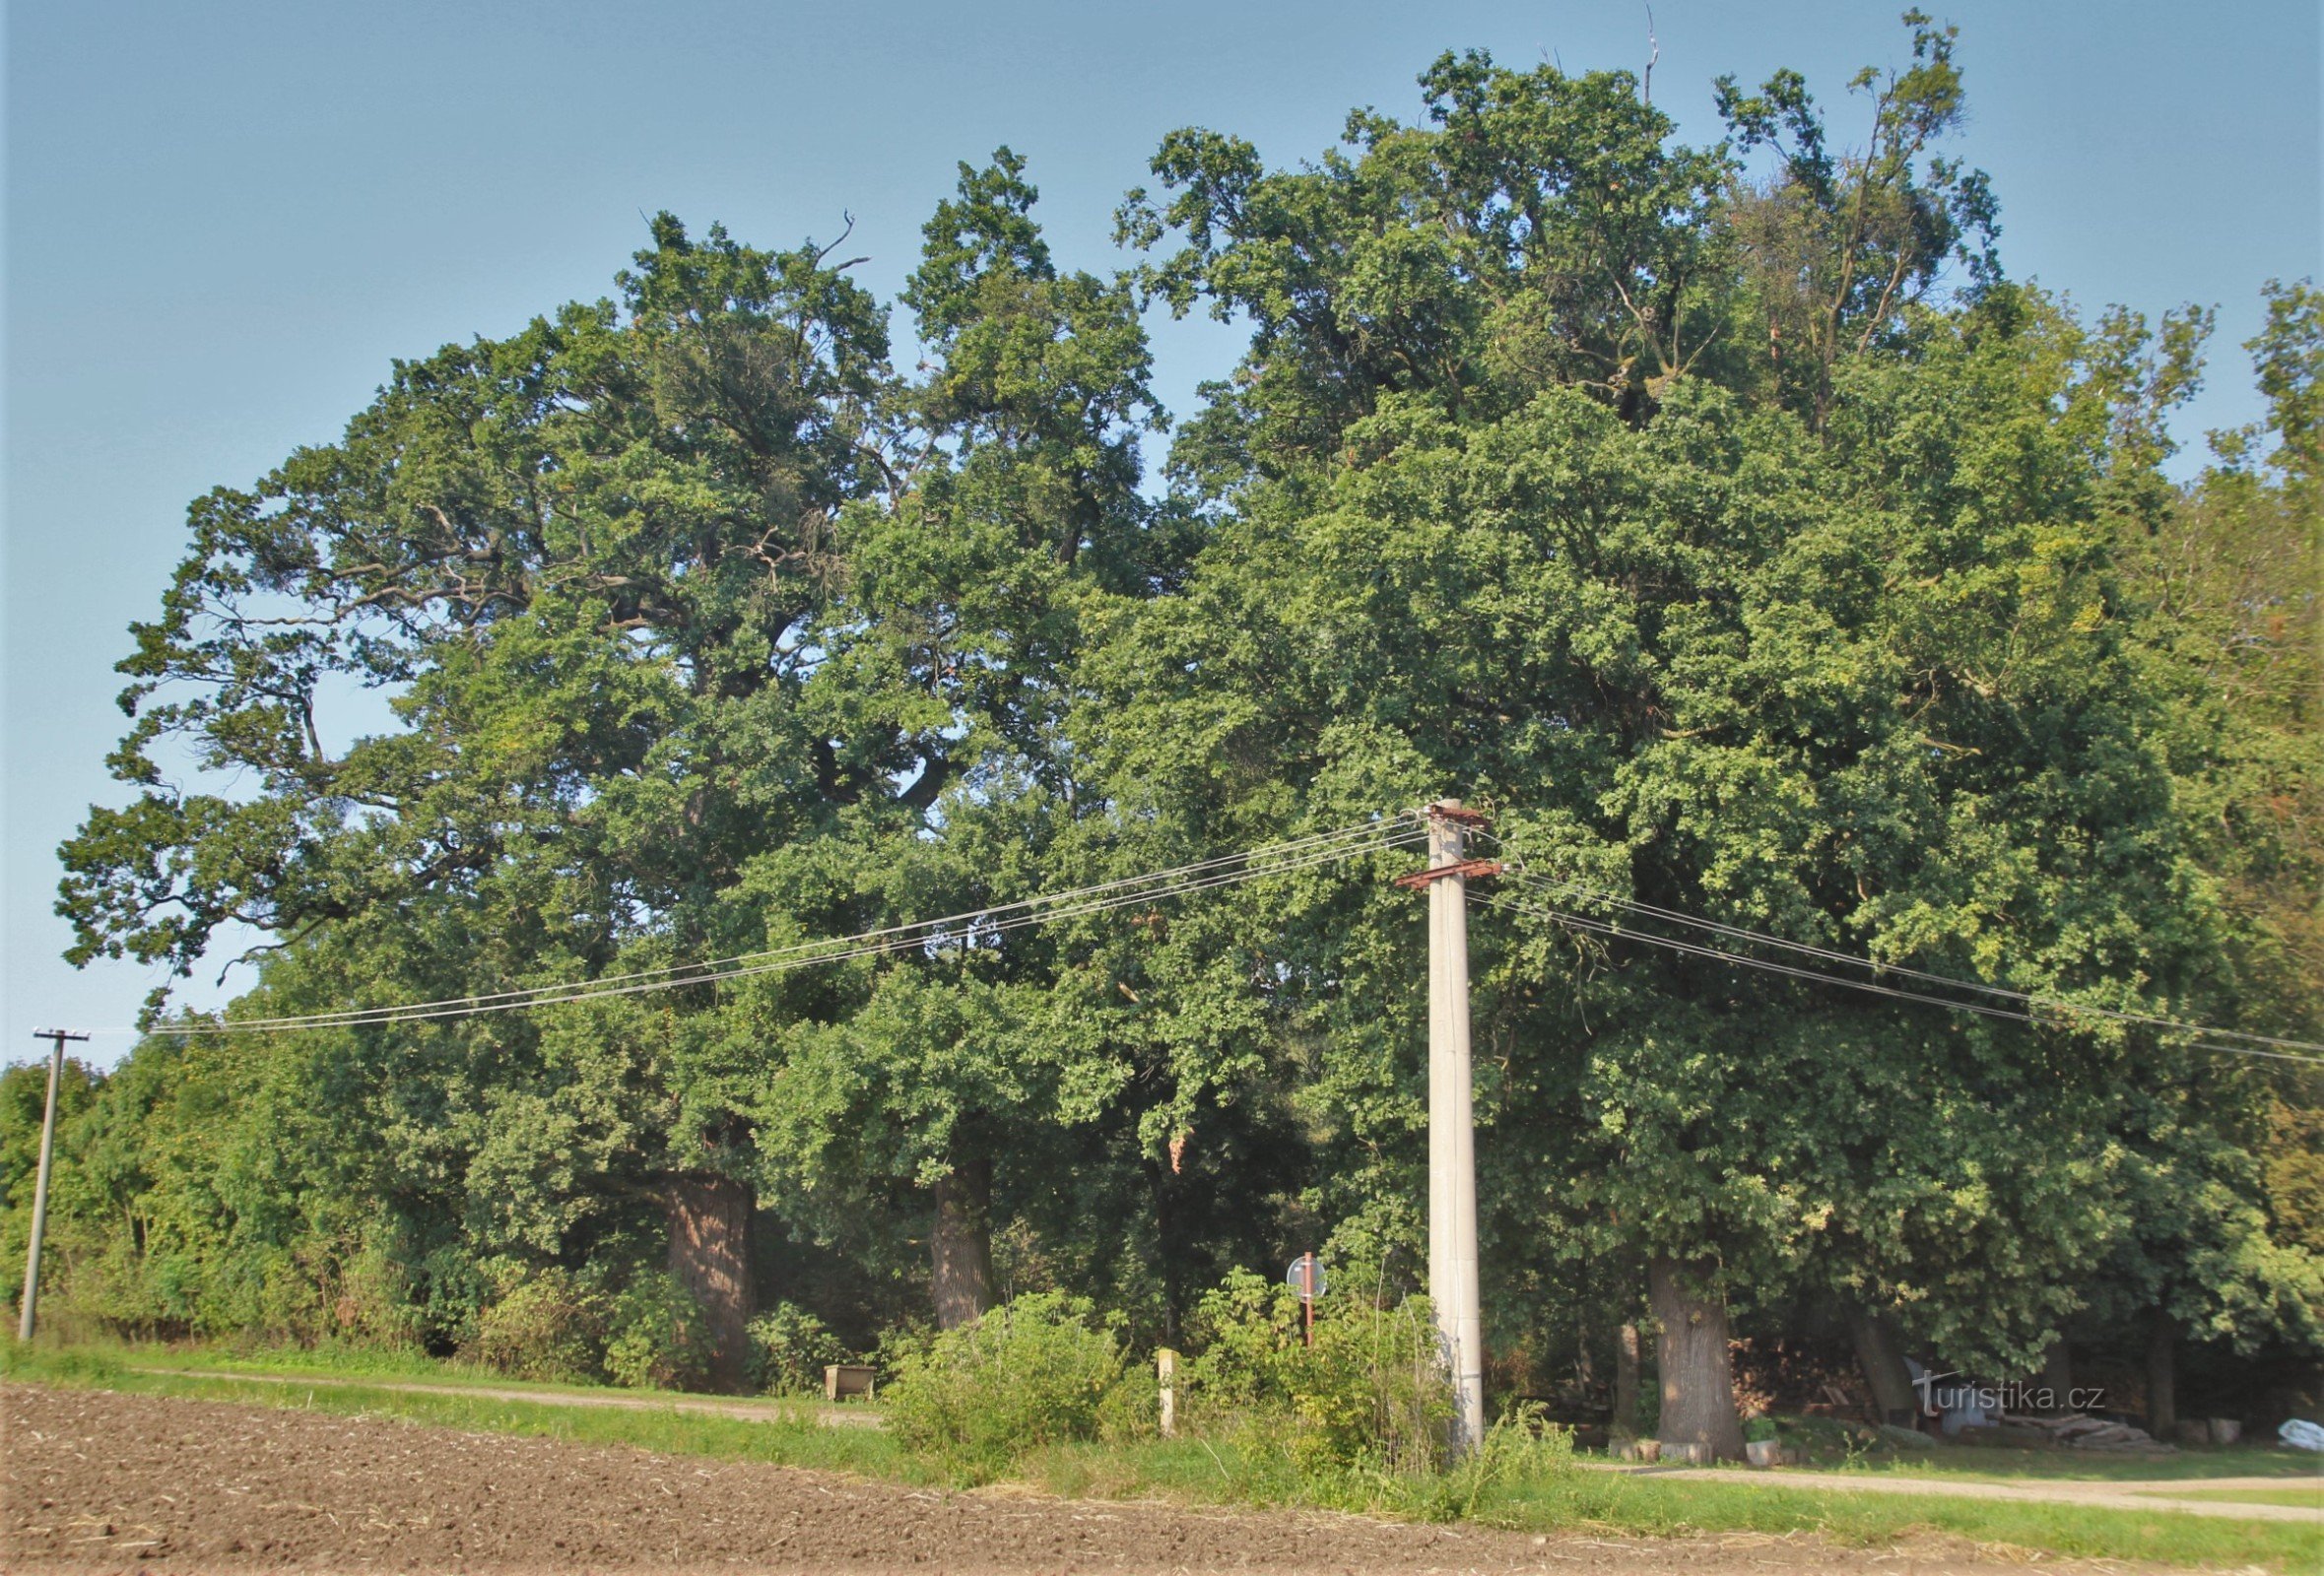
x=1625, y=1380
x=2057, y=1376
x=1167, y=1251
x=960, y=1248
x=2162, y=1377
x=709, y=1218
x=1881, y=1358
x=1697, y=1371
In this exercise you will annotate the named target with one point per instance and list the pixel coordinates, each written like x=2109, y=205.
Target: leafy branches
x=1839, y=243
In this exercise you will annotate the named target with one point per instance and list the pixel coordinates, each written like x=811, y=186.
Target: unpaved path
x=2143, y=1494
x=98, y=1481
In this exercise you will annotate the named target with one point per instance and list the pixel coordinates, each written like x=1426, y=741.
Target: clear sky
x=224, y=221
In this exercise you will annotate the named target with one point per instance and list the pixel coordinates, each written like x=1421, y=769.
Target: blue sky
x=223, y=221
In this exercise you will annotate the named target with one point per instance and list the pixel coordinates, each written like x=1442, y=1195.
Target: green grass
x=351, y=1364
x=1662, y=1506
x=1222, y=1473
x=795, y=1440
x=2066, y=1466
x=2308, y=1499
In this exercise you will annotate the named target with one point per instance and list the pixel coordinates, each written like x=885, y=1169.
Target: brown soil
x=97, y=1481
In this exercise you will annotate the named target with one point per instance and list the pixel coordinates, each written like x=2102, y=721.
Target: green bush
x=1033, y=1373
x=789, y=1348
x=549, y=1327
x=1370, y=1393
x=1132, y=1409
x=660, y=1340
x=1523, y=1450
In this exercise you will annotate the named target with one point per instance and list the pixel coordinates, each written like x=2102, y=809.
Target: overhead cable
x=964, y=927
x=1819, y=976
x=1591, y=895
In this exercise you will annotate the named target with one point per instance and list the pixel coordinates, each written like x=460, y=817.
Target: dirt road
x=97, y=1481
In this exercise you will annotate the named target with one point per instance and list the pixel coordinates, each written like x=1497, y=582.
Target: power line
x=703, y=968
x=2003, y=991
x=965, y=928
x=1819, y=976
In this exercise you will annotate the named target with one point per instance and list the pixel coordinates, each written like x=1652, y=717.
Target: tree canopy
x=1720, y=517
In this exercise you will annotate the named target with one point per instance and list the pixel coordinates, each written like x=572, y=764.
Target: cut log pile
x=2082, y=1432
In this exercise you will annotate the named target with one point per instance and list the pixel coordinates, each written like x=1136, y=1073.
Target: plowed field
x=98, y=1481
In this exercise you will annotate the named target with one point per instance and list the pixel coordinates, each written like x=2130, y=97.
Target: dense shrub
x=789, y=1348
x=1522, y=1450
x=1132, y=1409
x=660, y=1339
x=1034, y=1372
x=549, y=1327
x=1371, y=1391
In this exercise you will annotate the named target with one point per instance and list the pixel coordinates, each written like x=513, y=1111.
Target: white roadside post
x=1452, y=1138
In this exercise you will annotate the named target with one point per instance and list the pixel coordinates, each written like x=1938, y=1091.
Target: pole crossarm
x=1467, y=867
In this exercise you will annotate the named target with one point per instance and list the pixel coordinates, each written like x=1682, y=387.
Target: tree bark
x=1882, y=1359
x=960, y=1247
x=2057, y=1376
x=1696, y=1368
x=1168, y=1251
x=2162, y=1377
x=710, y=1218
x=1625, y=1380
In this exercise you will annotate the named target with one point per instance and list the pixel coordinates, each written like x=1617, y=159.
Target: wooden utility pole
x=1452, y=1136
x=56, y=1066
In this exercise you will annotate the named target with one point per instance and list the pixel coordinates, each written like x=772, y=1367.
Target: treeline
x=1721, y=518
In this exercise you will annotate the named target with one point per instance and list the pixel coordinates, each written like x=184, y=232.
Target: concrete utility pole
x=56, y=1066
x=1452, y=1136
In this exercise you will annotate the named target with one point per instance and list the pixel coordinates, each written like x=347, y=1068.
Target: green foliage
x=548, y=1328
x=1033, y=1373
x=1520, y=1453
x=1131, y=1411
x=2288, y=353
x=1369, y=1393
x=1836, y=243
x=789, y=1350
x=658, y=1339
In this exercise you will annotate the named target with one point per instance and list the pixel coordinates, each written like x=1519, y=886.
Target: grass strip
x=1218, y=1472
x=1832, y=1445
x=1666, y=1507
x=794, y=1441
x=2308, y=1499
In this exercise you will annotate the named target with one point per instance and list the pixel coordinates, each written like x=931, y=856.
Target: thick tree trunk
x=1699, y=1416
x=1167, y=1253
x=2057, y=1376
x=1625, y=1380
x=960, y=1247
x=1881, y=1358
x=710, y=1218
x=2162, y=1377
